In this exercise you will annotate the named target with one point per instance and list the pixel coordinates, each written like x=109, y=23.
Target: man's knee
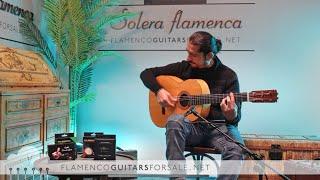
x=175, y=122
x=234, y=152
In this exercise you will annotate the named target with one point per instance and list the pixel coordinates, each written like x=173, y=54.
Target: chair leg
x=199, y=158
x=213, y=159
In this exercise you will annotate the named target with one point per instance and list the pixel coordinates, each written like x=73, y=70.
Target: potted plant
x=76, y=28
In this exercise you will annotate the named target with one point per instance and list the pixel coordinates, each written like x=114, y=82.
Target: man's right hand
x=164, y=98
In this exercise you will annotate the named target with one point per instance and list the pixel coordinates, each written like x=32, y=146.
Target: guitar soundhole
x=163, y=110
x=184, y=100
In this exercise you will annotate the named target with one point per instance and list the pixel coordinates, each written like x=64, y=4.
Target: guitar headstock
x=268, y=96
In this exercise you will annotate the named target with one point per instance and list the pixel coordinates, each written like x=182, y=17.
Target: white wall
x=284, y=37
x=9, y=23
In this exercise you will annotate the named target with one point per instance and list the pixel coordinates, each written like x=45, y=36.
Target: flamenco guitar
x=195, y=92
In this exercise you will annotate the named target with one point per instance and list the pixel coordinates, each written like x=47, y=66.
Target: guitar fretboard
x=212, y=98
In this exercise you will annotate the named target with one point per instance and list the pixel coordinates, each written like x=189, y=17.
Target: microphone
x=190, y=111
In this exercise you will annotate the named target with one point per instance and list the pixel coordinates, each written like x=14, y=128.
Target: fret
x=212, y=98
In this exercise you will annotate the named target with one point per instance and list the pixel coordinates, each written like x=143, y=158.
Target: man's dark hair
x=204, y=40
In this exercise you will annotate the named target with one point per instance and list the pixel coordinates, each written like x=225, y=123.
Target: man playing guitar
x=202, y=63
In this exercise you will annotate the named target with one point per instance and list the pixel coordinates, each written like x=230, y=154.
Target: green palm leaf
x=95, y=8
x=32, y=33
x=87, y=98
x=113, y=19
x=56, y=13
x=85, y=81
x=94, y=58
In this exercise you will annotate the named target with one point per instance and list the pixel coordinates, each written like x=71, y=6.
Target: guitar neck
x=213, y=98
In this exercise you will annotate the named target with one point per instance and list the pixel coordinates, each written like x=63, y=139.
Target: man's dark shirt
x=220, y=79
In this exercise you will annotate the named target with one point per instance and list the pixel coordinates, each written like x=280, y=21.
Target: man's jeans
x=180, y=132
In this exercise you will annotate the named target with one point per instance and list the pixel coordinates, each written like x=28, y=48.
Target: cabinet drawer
x=56, y=105
x=21, y=135
x=23, y=107
x=56, y=125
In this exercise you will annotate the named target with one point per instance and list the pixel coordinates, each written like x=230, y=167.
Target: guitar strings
x=210, y=96
x=216, y=98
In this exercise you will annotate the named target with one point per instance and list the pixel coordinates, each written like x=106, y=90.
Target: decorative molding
x=54, y=102
x=14, y=106
x=19, y=67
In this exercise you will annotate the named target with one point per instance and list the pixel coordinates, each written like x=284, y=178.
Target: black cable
x=252, y=155
x=120, y=149
x=125, y=155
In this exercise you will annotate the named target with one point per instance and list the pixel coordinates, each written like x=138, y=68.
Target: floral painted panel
x=22, y=135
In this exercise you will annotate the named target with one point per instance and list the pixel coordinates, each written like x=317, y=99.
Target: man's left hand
x=229, y=107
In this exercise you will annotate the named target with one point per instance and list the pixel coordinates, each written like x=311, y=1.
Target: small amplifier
x=275, y=152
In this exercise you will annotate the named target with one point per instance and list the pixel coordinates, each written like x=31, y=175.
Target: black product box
x=65, y=151
x=64, y=138
x=105, y=147
x=88, y=144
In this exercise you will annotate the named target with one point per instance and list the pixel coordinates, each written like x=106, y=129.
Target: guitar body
x=177, y=87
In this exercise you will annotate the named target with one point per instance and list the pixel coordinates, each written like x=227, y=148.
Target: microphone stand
x=253, y=155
